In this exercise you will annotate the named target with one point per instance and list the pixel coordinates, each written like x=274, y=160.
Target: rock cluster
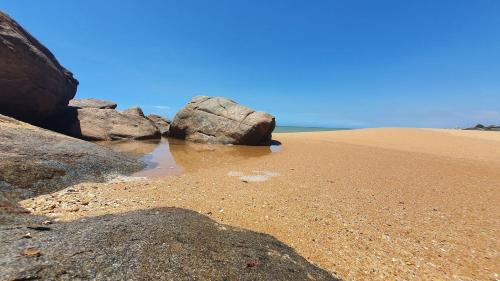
x=33, y=85
x=481, y=127
x=214, y=120
x=220, y=120
x=102, y=124
x=35, y=88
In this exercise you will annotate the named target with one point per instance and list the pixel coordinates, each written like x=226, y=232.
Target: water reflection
x=136, y=148
x=173, y=157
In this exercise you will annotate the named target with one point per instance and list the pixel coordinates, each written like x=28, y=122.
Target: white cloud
x=161, y=106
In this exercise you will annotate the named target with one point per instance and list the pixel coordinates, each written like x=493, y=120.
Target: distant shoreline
x=298, y=129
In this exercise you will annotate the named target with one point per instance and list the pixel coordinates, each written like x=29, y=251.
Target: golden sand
x=375, y=204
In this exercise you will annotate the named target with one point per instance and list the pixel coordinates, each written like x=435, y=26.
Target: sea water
x=295, y=129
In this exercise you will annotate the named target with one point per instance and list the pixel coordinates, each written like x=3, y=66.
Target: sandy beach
x=374, y=204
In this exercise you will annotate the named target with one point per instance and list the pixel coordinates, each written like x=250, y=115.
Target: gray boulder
x=137, y=111
x=154, y=244
x=220, y=120
x=102, y=124
x=163, y=124
x=34, y=160
x=33, y=85
x=92, y=103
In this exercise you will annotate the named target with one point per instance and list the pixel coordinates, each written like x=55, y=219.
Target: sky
x=326, y=63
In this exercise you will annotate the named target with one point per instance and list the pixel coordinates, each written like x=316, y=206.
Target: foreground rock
x=156, y=244
x=33, y=85
x=161, y=123
x=92, y=103
x=220, y=120
x=480, y=127
x=34, y=160
x=102, y=124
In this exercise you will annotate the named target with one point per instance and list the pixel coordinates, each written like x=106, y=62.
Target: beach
x=371, y=204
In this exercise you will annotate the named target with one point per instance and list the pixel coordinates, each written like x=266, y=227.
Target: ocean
x=294, y=129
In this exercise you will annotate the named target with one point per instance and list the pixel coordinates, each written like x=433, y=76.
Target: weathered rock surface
x=163, y=124
x=155, y=244
x=134, y=111
x=102, y=124
x=33, y=85
x=34, y=160
x=220, y=120
x=484, y=128
x=92, y=103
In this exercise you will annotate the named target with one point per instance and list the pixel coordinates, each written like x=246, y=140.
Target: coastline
x=364, y=204
x=298, y=129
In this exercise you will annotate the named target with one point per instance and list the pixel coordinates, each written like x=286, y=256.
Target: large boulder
x=102, y=124
x=33, y=85
x=152, y=244
x=163, y=124
x=92, y=103
x=220, y=120
x=34, y=160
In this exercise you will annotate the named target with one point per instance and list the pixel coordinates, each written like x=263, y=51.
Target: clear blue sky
x=424, y=63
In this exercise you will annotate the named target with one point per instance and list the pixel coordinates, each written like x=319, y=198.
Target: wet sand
x=375, y=204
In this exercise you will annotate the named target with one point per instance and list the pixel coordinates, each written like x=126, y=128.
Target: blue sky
x=418, y=63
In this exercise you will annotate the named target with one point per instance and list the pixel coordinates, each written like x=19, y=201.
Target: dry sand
x=375, y=204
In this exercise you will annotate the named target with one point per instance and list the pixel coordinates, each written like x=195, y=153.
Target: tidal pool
x=168, y=157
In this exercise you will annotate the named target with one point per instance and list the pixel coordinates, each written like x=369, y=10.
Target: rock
x=152, y=244
x=34, y=160
x=33, y=85
x=102, y=124
x=92, y=103
x=134, y=111
x=39, y=228
x=219, y=120
x=163, y=124
x=481, y=127
x=31, y=252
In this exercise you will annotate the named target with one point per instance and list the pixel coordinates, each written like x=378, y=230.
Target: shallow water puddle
x=256, y=176
x=167, y=157
x=160, y=162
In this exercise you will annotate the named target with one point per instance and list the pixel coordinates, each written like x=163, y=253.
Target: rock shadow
x=65, y=122
x=275, y=142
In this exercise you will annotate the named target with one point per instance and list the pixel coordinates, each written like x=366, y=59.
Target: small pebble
x=32, y=252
